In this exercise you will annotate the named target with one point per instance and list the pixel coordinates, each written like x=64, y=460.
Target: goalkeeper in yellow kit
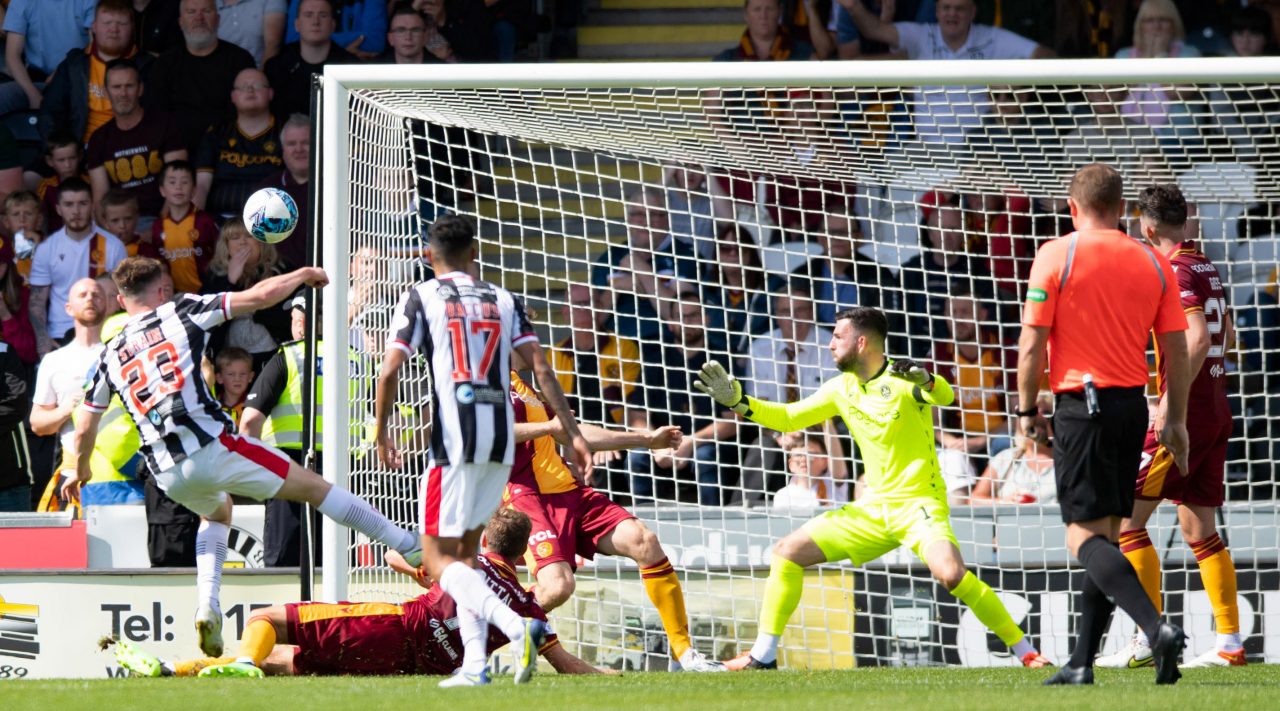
x=886, y=405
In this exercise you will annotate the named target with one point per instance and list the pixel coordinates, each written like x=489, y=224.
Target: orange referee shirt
x=1101, y=293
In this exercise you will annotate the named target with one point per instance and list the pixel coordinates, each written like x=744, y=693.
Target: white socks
x=475, y=632
x=1229, y=642
x=355, y=513
x=468, y=588
x=1023, y=648
x=211, y=553
x=766, y=648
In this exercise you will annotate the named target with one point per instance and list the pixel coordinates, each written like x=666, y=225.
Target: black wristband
x=1029, y=412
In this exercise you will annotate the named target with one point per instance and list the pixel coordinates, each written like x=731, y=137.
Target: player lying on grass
x=420, y=636
x=886, y=405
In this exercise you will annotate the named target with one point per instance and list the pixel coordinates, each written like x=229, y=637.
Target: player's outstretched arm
x=551, y=391
x=565, y=663
x=384, y=398
x=715, y=381
x=270, y=292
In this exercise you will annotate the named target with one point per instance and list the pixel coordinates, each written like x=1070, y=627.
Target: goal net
x=655, y=216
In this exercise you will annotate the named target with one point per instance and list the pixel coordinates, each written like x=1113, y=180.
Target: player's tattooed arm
x=38, y=314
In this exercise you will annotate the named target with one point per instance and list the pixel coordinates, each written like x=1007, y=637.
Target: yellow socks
x=781, y=595
x=663, y=587
x=258, y=640
x=1218, y=573
x=1137, y=548
x=192, y=667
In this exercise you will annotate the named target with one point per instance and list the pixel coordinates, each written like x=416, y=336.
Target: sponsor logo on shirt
x=1037, y=295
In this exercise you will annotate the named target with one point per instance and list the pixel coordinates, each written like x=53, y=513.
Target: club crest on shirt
x=885, y=391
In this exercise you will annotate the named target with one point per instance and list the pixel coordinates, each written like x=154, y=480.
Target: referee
x=1093, y=297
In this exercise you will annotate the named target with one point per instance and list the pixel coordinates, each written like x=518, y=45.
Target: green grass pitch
x=898, y=689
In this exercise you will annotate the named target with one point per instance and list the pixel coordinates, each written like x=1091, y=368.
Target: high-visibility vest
x=283, y=427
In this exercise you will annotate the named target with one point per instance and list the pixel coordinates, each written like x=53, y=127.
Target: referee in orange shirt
x=1092, y=299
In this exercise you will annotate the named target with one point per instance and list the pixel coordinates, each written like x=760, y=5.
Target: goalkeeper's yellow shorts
x=868, y=528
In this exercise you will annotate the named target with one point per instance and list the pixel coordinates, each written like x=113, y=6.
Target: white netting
x=928, y=202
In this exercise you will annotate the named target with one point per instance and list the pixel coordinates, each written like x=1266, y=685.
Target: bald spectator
x=944, y=115
x=764, y=39
x=129, y=151
x=193, y=81
x=254, y=25
x=234, y=157
x=75, y=100
x=79, y=250
x=359, y=25
x=38, y=35
x=295, y=139
x=292, y=69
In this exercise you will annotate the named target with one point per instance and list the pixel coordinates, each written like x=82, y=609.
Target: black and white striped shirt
x=154, y=365
x=466, y=329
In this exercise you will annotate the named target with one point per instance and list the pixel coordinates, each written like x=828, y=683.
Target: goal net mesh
x=650, y=228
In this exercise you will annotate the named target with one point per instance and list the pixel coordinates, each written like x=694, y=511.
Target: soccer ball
x=270, y=215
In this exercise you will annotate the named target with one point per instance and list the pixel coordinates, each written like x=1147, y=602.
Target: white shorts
x=231, y=464
x=457, y=498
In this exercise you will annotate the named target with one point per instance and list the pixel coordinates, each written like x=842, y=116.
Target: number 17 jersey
x=466, y=329
x=153, y=365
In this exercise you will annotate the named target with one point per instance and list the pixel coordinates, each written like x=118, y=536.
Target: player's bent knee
x=555, y=585
x=798, y=548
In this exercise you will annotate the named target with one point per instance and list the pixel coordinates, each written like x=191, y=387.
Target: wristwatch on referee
x=1029, y=412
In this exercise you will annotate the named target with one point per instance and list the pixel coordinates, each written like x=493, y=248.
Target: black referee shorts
x=1095, y=459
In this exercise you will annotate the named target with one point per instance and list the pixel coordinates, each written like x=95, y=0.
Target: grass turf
x=939, y=689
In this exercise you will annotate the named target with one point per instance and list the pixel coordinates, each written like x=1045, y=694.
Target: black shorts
x=1095, y=459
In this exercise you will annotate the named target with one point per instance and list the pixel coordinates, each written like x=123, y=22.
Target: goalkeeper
x=886, y=406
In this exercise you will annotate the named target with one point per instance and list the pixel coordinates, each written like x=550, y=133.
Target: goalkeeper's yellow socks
x=990, y=611
x=663, y=587
x=1218, y=573
x=192, y=667
x=781, y=598
x=258, y=640
x=1137, y=548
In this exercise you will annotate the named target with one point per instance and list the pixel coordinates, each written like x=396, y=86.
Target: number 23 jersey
x=152, y=365
x=466, y=329
x=1200, y=289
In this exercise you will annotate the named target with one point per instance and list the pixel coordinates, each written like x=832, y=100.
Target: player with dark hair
x=467, y=329
x=887, y=405
x=571, y=519
x=371, y=638
x=1093, y=297
x=188, y=440
x=1199, y=490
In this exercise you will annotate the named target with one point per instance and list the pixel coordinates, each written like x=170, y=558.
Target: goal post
x=921, y=187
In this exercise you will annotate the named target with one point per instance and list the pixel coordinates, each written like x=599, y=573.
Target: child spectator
x=815, y=479
x=233, y=371
x=120, y=217
x=63, y=155
x=184, y=236
x=24, y=222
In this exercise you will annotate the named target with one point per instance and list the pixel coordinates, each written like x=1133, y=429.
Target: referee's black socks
x=1095, y=616
x=1107, y=567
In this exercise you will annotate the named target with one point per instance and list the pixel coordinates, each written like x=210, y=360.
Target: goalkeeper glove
x=912, y=372
x=713, y=380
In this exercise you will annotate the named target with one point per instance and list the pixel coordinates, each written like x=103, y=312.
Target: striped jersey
x=466, y=329
x=153, y=364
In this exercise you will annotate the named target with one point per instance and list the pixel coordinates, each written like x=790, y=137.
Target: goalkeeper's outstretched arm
x=725, y=389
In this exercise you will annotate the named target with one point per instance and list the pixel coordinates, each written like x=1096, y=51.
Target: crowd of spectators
x=158, y=118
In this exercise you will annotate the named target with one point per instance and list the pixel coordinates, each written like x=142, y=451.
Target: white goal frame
x=333, y=147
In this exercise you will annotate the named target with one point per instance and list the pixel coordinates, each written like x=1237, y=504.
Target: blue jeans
x=706, y=472
x=16, y=499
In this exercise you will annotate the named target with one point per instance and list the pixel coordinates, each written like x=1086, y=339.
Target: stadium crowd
x=155, y=119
